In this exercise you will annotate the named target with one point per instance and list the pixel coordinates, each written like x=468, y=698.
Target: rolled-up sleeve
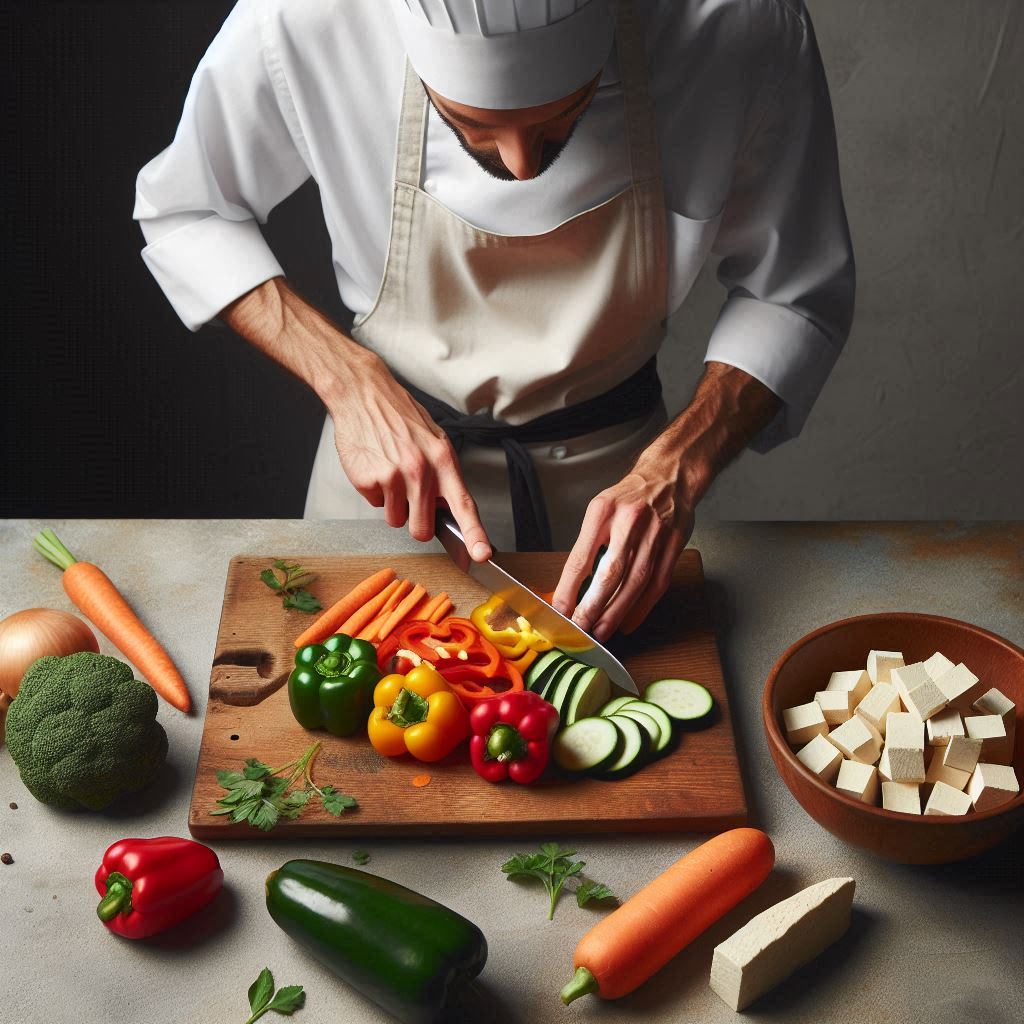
x=784, y=244
x=233, y=159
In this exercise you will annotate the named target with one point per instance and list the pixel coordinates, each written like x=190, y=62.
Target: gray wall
x=923, y=417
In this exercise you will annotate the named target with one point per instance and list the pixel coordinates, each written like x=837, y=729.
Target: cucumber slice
x=588, y=695
x=560, y=691
x=655, y=712
x=633, y=753
x=588, y=745
x=540, y=670
x=615, y=703
x=659, y=739
x=680, y=699
x=546, y=688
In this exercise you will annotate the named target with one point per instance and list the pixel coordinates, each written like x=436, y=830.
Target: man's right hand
x=390, y=449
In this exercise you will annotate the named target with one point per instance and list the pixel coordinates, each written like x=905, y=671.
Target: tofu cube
x=938, y=772
x=877, y=705
x=992, y=785
x=803, y=723
x=822, y=758
x=960, y=686
x=904, y=747
x=881, y=663
x=859, y=781
x=901, y=796
x=858, y=740
x=856, y=682
x=937, y=664
x=962, y=752
x=942, y=725
x=996, y=743
x=947, y=800
x=836, y=705
x=917, y=691
x=994, y=702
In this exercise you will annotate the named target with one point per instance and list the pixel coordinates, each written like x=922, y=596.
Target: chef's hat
x=504, y=54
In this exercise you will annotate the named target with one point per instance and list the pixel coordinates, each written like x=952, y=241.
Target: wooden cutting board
x=697, y=788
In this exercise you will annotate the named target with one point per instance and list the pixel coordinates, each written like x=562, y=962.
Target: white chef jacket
x=293, y=89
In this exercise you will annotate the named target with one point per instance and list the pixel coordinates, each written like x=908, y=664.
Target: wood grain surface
x=696, y=788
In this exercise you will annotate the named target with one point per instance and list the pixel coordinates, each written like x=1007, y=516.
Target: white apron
x=514, y=327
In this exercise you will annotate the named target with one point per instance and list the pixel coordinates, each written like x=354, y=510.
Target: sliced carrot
x=369, y=611
x=429, y=607
x=403, y=588
x=402, y=611
x=370, y=632
x=331, y=620
x=419, y=781
x=443, y=609
x=417, y=613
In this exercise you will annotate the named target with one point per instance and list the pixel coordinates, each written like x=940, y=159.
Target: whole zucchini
x=408, y=954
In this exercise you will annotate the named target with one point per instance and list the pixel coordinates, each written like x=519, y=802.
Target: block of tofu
x=822, y=758
x=881, y=663
x=942, y=725
x=901, y=796
x=803, y=723
x=771, y=946
x=938, y=772
x=917, y=690
x=836, y=705
x=962, y=752
x=996, y=742
x=937, y=664
x=856, y=682
x=995, y=702
x=859, y=781
x=960, y=687
x=991, y=785
x=858, y=740
x=904, y=748
x=944, y=799
x=884, y=772
x=880, y=701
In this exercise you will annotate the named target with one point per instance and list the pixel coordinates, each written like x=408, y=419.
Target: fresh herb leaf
x=553, y=866
x=289, y=582
x=261, y=795
x=361, y=857
x=587, y=891
x=263, y=999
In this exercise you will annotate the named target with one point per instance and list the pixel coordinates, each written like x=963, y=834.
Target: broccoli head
x=83, y=730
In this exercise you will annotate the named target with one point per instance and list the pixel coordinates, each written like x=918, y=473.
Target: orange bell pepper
x=418, y=714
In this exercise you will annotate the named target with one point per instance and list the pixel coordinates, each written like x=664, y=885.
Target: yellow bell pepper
x=518, y=642
x=416, y=714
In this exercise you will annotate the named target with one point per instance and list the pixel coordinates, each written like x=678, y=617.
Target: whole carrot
x=625, y=948
x=99, y=600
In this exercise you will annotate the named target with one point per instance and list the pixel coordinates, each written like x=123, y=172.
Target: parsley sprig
x=289, y=582
x=263, y=998
x=262, y=795
x=554, y=867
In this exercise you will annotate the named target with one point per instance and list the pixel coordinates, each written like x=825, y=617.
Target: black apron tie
x=634, y=397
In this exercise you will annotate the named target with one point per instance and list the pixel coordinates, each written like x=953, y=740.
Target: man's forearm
x=727, y=411
x=283, y=325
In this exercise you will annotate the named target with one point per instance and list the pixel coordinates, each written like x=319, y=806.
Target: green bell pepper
x=331, y=686
x=413, y=957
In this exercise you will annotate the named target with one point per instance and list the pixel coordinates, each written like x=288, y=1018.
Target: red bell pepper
x=512, y=737
x=148, y=885
x=470, y=664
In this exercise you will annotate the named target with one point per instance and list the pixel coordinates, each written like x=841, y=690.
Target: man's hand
x=389, y=447
x=646, y=519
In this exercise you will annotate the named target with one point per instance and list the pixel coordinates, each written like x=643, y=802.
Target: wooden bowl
x=805, y=668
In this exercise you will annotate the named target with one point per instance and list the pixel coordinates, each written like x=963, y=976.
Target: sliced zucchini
x=680, y=699
x=589, y=693
x=540, y=670
x=659, y=739
x=615, y=703
x=548, y=686
x=633, y=753
x=591, y=744
x=560, y=691
x=657, y=714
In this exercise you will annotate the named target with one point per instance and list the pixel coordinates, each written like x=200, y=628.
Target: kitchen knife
x=523, y=601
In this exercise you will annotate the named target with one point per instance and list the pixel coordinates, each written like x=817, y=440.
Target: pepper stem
x=118, y=898
x=582, y=984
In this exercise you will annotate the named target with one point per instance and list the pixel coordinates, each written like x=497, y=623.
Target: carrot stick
x=417, y=613
x=431, y=605
x=629, y=945
x=96, y=596
x=331, y=619
x=400, y=591
x=370, y=632
x=443, y=609
x=402, y=611
x=369, y=611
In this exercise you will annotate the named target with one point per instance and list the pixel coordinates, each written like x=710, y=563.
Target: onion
x=34, y=633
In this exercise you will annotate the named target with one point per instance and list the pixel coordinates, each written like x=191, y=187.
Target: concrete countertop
x=933, y=944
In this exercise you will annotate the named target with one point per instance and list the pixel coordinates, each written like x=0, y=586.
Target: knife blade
x=523, y=601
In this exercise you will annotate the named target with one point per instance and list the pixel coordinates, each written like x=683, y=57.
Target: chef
x=518, y=193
